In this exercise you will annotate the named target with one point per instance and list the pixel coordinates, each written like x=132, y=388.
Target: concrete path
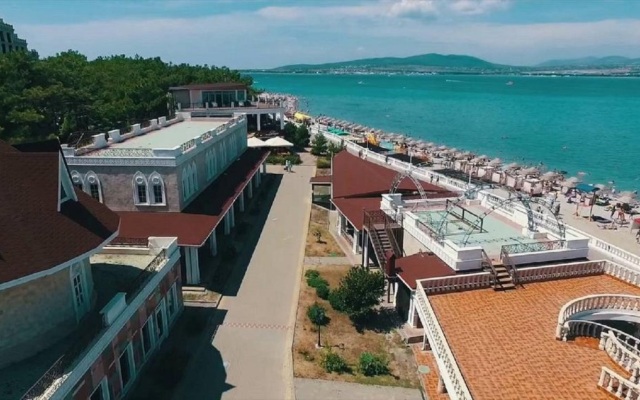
x=327, y=261
x=254, y=340
x=316, y=389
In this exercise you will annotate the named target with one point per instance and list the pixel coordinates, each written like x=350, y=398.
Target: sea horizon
x=566, y=123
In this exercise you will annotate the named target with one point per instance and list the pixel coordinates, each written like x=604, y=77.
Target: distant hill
x=592, y=62
x=423, y=61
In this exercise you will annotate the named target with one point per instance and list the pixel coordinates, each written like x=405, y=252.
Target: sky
x=252, y=34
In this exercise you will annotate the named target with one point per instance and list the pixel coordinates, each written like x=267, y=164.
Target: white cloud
x=476, y=7
x=415, y=9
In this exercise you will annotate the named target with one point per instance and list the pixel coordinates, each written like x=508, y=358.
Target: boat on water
x=510, y=83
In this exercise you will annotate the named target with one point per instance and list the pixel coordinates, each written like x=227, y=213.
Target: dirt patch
x=326, y=246
x=323, y=171
x=342, y=337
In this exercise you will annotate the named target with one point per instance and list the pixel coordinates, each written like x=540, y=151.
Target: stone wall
x=118, y=190
x=35, y=315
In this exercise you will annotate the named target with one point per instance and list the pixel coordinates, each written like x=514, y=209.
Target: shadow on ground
x=249, y=225
x=383, y=320
x=187, y=360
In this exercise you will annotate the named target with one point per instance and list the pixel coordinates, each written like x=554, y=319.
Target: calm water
x=574, y=124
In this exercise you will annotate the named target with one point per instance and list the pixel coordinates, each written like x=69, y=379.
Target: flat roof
x=505, y=346
x=171, y=136
x=421, y=266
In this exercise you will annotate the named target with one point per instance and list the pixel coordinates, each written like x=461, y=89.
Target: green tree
x=335, y=148
x=289, y=131
x=359, y=291
x=372, y=364
x=318, y=316
x=319, y=145
x=302, y=136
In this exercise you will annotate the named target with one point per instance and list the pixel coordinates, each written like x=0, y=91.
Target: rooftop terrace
x=505, y=346
x=173, y=135
x=115, y=270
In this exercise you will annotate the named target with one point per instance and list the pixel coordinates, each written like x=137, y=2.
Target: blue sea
x=573, y=124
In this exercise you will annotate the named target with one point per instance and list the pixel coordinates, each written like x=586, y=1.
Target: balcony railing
x=534, y=247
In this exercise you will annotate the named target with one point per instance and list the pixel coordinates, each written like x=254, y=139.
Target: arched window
x=194, y=174
x=186, y=182
x=77, y=180
x=93, y=185
x=140, y=189
x=157, y=189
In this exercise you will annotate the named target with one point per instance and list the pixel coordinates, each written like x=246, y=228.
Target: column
x=250, y=188
x=232, y=212
x=264, y=171
x=213, y=243
x=258, y=120
x=365, y=249
x=241, y=198
x=441, y=388
x=227, y=222
x=281, y=121
x=339, y=225
x=411, y=313
x=356, y=238
x=195, y=265
x=187, y=264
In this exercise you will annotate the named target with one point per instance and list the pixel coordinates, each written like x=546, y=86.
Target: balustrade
x=449, y=370
x=561, y=271
x=617, y=385
x=480, y=280
x=621, y=354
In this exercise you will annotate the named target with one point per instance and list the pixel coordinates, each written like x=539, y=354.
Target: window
x=140, y=189
x=101, y=392
x=94, y=189
x=157, y=189
x=160, y=321
x=147, y=337
x=77, y=180
x=79, y=295
x=126, y=366
x=172, y=301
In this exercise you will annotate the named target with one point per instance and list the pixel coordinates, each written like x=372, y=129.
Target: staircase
x=502, y=279
x=381, y=236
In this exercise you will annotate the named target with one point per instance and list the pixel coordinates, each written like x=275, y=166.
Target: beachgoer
x=638, y=236
x=614, y=209
x=556, y=209
x=431, y=178
x=437, y=180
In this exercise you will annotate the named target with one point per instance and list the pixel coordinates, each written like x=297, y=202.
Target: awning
x=277, y=142
x=255, y=142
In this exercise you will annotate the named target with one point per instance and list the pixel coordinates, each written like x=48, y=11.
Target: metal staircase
x=501, y=278
x=383, y=234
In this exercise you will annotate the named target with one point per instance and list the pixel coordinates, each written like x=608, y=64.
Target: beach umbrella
x=460, y=156
x=442, y=148
x=568, y=184
x=548, y=176
x=628, y=194
x=478, y=160
x=495, y=162
x=424, y=146
x=600, y=186
x=625, y=199
x=573, y=179
x=512, y=166
x=530, y=171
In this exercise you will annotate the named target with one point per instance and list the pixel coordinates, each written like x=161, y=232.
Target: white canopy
x=549, y=176
x=495, y=162
x=278, y=142
x=512, y=166
x=255, y=142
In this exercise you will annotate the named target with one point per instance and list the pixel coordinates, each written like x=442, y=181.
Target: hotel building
x=184, y=177
x=9, y=41
x=506, y=300
x=79, y=317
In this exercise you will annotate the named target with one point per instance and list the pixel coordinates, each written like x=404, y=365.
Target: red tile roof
x=190, y=229
x=34, y=235
x=355, y=177
x=421, y=266
x=354, y=208
x=197, y=221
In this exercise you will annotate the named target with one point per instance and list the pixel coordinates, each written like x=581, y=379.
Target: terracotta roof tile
x=355, y=177
x=34, y=235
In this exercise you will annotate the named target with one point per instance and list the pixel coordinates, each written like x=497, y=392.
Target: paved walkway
x=254, y=339
x=316, y=389
x=327, y=261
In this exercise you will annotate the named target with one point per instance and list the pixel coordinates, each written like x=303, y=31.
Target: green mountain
x=610, y=61
x=424, y=61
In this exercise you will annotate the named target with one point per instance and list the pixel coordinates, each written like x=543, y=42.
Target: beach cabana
x=255, y=142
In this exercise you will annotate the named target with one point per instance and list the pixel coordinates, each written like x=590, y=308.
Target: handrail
x=510, y=265
x=447, y=364
x=585, y=328
x=548, y=245
x=620, y=354
x=494, y=273
x=453, y=283
x=595, y=302
x=617, y=385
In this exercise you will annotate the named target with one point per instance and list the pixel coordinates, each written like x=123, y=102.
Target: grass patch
x=342, y=338
x=326, y=246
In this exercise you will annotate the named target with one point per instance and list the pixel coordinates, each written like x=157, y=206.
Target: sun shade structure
x=278, y=142
x=255, y=142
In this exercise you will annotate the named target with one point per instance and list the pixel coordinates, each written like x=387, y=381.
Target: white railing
x=560, y=271
x=621, y=354
x=447, y=365
x=611, y=250
x=584, y=328
x=431, y=244
x=595, y=302
x=456, y=283
x=617, y=385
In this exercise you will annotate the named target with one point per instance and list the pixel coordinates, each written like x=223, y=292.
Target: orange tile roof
x=505, y=346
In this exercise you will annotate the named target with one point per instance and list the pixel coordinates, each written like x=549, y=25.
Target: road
x=254, y=340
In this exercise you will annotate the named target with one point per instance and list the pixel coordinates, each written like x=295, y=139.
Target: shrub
x=323, y=291
x=336, y=299
x=311, y=273
x=332, y=362
x=275, y=159
x=293, y=158
x=316, y=281
x=322, y=162
x=361, y=290
x=372, y=364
